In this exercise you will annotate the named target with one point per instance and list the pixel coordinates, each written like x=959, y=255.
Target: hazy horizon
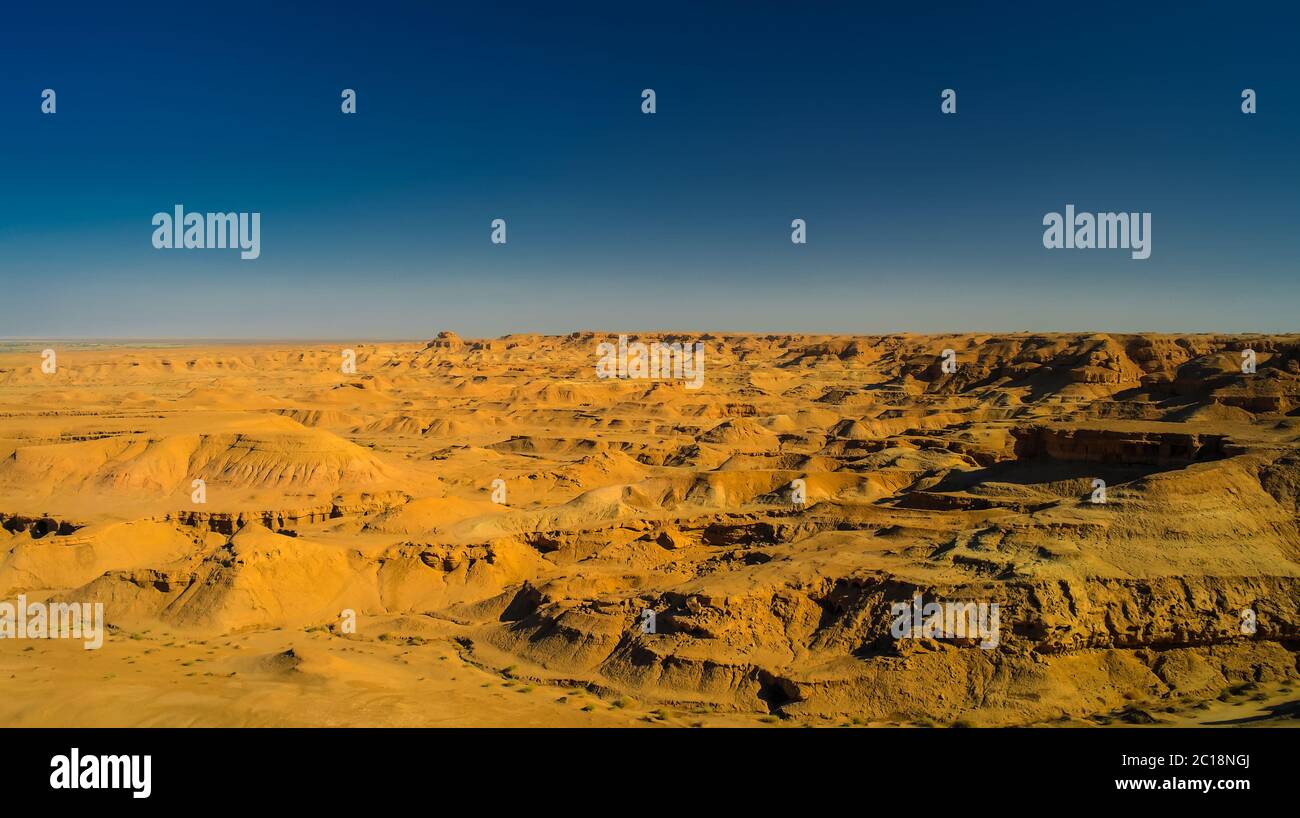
x=185, y=340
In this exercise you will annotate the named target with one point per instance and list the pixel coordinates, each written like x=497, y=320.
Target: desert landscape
x=471, y=532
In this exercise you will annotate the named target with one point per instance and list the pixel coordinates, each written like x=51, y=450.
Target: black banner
x=301, y=767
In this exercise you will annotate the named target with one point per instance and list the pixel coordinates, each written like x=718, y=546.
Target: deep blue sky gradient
x=377, y=225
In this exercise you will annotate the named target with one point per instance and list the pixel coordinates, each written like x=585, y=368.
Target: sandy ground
x=496, y=520
x=166, y=680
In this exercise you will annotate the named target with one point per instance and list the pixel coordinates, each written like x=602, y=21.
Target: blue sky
x=376, y=225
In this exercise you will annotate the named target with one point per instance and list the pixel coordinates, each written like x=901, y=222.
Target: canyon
x=371, y=492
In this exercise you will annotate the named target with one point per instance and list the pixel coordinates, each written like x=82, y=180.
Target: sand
x=495, y=518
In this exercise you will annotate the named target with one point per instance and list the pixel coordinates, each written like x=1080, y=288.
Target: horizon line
x=123, y=339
